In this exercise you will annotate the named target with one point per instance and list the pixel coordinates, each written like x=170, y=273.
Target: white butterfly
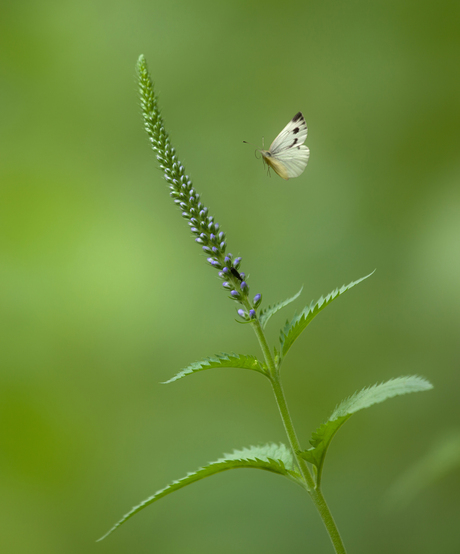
x=287, y=155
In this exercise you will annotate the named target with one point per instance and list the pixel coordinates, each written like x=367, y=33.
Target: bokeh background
x=104, y=294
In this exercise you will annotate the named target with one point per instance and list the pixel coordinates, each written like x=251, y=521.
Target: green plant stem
x=313, y=490
x=328, y=520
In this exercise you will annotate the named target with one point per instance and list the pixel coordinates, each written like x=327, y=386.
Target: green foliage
x=221, y=360
x=320, y=440
x=293, y=329
x=267, y=313
x=378, y=393
x=276, y=458
x=323, y=436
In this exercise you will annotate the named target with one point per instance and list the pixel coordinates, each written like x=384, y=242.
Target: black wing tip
x=298, y=116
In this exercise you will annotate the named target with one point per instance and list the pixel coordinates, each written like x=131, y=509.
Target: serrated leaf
x=220, y=360
x=320, y=440
x=378, y=393
x=276, y=458
x=267, y=313
x=294, y=328
x=323, y=436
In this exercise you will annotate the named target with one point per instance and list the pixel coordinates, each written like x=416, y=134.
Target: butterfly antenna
x=255, y=151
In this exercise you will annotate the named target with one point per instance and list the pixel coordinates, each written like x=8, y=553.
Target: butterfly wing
x=278, y=167
x=294, y=161
x=287, y=154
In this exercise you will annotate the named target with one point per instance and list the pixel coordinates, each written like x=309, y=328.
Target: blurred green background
x=104, y=294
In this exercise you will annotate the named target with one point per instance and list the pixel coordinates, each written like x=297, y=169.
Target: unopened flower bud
x=243, y=314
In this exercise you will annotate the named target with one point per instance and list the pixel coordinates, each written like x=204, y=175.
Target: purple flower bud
x=211, y=260
x=183, y=205
x=216, y=264
x=194, y=221
x=243, y=275
x=222, y=246
x=226, y=270
x=235, y=294
x=244, y=286
x=243, y=314
x=212, y=237
x=191, y=200
x=227, y=285
x=236, y=263
x=221, y=236
x=252, y=314
x=257, y=300
x=203, y=213
x=228, y=258
x=193, y=211
x=216, y=227
x=186, y=215
x=221, y=274
x=194, y=230
x=207, y=249
x=204, y=237
x=215, y=250
x=200, y=241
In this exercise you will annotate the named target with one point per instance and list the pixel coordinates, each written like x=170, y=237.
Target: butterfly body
x=287, y=155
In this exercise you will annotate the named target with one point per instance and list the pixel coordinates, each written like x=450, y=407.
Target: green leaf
x=320, y=440
x=293, y=329
x=220, y=360
x=323, y=436
x=266, y=313
x=378, y=393
x=276, y=458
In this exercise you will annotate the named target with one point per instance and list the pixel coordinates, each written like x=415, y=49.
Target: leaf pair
x=278, y=458
x=288, y=335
